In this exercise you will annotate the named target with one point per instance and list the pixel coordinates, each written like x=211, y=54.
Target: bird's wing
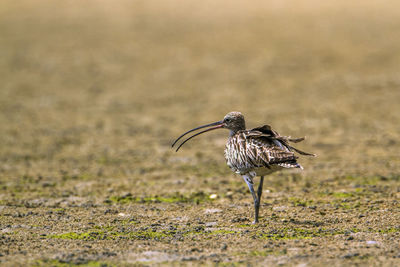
x=264, y=150
x=265, y=147
x=261, y=147
x=267, y=132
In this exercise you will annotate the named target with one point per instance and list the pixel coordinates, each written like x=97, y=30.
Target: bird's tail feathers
x=287, y=139
x=291, y=165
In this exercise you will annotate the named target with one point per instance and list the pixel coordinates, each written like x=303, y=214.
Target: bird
x=255, y=152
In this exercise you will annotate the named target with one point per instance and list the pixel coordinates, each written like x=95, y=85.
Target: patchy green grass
x=114, y=235
x=342, y=194
x=287, y=233
x=389, y=230
x=302, y=233
x=301, y=202
x=267, y=252
x=57, y=263
x=109, y=233
x=196, y=198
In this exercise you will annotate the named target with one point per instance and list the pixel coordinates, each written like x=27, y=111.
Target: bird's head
x=233, y=121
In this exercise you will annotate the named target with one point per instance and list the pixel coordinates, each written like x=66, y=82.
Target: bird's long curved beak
x=217, y=125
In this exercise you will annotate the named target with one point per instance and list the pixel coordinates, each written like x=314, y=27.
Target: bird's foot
x=255, y=221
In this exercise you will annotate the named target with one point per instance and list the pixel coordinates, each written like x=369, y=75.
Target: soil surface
x=93, y=93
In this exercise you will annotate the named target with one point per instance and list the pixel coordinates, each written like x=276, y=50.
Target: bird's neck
x=238, y=128
x=233, y=132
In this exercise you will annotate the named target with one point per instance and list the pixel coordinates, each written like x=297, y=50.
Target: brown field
x=93, y=93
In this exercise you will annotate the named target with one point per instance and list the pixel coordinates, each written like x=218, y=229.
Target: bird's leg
x=259, y=193
x=249, y=182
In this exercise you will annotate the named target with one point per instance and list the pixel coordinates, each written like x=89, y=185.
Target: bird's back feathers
x=261, y=148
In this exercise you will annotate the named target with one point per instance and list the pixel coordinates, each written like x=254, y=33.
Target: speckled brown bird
x=256, y=152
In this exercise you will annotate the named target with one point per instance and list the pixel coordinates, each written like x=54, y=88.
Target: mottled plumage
x=260, y=151
x=256, y=152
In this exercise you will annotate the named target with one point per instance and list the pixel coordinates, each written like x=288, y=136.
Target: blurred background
x=100, y=89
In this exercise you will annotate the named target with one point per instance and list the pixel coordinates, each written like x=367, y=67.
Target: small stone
x=213, y=196
x=208, y=211
x=211, y=224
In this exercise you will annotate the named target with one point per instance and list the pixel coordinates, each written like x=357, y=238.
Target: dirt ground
x=93, y=93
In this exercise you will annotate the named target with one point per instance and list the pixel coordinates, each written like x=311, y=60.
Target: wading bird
x=256, y=152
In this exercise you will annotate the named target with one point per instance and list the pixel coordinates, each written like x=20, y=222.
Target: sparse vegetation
x=57, y=263
x=177, y=198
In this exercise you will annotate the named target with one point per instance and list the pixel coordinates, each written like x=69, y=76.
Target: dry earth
x=92, y=94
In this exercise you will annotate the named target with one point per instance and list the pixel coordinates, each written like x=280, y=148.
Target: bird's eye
x=227, y=120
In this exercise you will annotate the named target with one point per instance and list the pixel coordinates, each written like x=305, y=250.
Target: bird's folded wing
x=266, y=132
x=265, y=152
